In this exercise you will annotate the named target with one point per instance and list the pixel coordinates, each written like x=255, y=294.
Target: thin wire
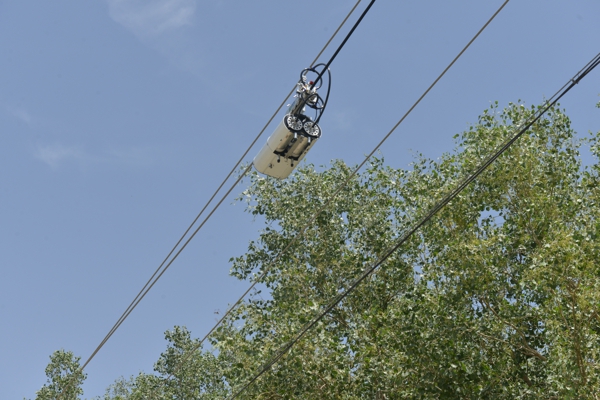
x=326, y=67
x=149, y=286
x=143, y=291
x=339, y=48
x=335, y=33
x=180, y=250
x=432, y=212
x=300, y=234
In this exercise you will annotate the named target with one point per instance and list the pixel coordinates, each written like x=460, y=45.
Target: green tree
x=64, y=377
x=496, y=298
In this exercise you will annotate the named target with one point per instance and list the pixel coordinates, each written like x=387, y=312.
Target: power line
x=341, y=46
x=432, y=212
x=151, y=281
x=300, y=234
x=150, y=285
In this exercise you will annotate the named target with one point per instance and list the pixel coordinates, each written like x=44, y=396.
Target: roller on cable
x=297, y=133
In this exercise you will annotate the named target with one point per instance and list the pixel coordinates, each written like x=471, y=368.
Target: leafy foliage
x=496, y=298
x=64, y=377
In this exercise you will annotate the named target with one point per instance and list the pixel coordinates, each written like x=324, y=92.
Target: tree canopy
x=64, y=377
x=497, y=297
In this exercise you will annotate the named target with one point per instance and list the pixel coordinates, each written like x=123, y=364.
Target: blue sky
x=118, y=118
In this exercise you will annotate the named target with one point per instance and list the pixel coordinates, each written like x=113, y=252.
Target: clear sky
x=118, y=119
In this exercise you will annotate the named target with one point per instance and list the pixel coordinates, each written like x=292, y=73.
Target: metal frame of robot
x=296, y=134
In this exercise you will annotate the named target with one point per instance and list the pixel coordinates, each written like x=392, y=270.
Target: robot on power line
x=297, y=133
